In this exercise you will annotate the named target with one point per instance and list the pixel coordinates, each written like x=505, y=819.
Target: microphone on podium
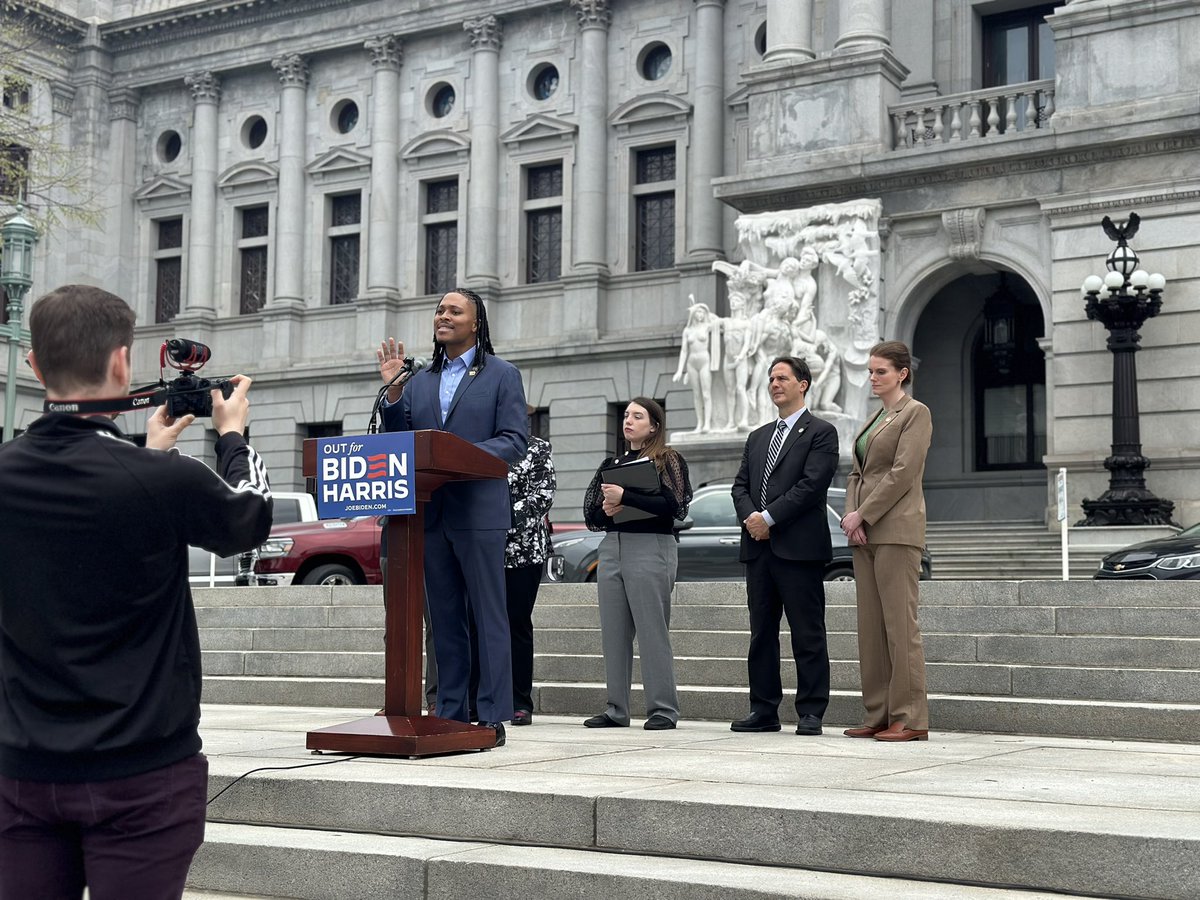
x=412, y=365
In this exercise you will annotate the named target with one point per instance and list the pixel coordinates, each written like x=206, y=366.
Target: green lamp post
x=16, y=276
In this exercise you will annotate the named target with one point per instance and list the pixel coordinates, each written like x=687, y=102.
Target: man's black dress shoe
x=602, y=721
x=755, y=722
x=522, y=717
x=809, y=725
x=497, y=727
x=658, y=722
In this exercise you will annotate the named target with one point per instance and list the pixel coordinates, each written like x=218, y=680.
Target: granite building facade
x=290, y=182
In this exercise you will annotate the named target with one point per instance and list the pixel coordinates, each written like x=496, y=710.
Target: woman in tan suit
x=885, y=523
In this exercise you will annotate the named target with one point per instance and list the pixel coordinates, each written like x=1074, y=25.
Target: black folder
x=641, y=475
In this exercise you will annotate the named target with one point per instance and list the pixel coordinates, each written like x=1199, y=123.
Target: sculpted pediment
x=339, y=161
x=248, y=174
x=650, y=107
x=435, y=143
x=538, y=127
x=163, y=187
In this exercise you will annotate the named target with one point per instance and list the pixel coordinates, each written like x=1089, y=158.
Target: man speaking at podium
x=470, y=392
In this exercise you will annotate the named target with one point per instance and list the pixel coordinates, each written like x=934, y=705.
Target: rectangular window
x=16, y=94
x=1018, y=47
x=654, y=209
x=14, y=171
x=539, y=423
x=440, y=224
x=344, y=234
x=252, y=251
x=543, y=223
x=168, y=268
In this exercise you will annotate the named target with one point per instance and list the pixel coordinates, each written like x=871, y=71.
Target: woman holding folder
x=637, y=497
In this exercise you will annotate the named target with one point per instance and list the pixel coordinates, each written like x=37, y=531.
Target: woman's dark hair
x=656, y=444
x=895, y=352
x=483, y=338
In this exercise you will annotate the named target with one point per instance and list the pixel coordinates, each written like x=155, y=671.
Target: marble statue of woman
x=699, y=354
x=736, y=328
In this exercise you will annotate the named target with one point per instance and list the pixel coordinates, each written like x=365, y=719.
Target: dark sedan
x=708, y=543
x=1175, y=557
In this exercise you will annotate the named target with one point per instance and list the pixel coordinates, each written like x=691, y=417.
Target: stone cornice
x=485, y=32
x=1106, y=206
x=292, y=69
x=45, y=20
x=592, y=13
x=760, y=194
x=198, y=19
x=386, y=52
x=123, y=104
x=205, y=87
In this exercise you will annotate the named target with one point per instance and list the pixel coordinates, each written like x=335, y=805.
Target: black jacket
x=797, y=491
x=99, y=652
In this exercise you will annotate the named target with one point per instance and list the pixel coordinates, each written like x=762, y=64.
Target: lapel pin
x=471, y=372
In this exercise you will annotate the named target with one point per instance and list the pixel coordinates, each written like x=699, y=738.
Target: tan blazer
x=886, y=488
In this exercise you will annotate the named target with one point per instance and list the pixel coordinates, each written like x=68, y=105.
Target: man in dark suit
x=780, y=495
x=472, y=393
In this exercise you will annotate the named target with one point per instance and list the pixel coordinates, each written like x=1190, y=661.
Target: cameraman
x=101, y=777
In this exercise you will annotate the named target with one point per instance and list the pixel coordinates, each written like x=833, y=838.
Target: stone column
x=590, y=227
x=789, y=30
x=289, y=207
x=54, y=255
x=708, y=131
x=483, y=189
x=386, y=56
x=121, y=182
x=865, y=24
x=206, y=94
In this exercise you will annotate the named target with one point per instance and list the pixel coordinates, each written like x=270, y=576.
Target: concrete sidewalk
x=1097, y=817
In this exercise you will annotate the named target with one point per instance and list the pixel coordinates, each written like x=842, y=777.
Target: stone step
x=1123, y=719
x=953, y=810
x=338, y=865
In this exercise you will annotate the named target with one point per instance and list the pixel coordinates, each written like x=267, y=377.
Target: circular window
x=544, y=82
x=441, y=100
x=760, y=39
x=169, y=146
x=254, y=132
x=345, y=116
x=656, y=62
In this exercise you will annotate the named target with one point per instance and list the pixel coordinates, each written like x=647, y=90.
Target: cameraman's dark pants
x=126, y=839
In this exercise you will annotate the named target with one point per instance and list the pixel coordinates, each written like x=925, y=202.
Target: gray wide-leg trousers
x=635, y=577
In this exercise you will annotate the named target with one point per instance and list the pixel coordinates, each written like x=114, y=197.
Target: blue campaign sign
x=366, y=474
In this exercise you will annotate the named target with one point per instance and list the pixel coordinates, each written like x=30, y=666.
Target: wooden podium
x=401, y=729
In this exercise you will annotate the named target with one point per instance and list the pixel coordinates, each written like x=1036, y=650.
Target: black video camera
x=189, y=393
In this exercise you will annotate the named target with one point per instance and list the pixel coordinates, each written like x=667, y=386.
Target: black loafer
x=756, y=722
x=809, y=725
x=602, y=721
x=658, y=722
x=497, y=727
x=522, y=717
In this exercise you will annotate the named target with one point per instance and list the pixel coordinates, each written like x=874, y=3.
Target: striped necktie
x=772, y=456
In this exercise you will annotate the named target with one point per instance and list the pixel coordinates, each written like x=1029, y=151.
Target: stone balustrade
x=988, y=114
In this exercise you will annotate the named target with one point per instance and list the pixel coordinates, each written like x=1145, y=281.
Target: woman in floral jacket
x=531, y=486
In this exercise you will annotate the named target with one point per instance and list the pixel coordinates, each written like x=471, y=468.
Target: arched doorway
x=983, y=376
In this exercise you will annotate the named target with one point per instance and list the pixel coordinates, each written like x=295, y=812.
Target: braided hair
x=483, y=338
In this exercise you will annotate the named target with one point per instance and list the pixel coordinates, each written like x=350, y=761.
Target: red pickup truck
x=337, y=551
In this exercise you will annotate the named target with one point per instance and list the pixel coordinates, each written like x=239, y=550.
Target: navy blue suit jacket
x=488, y=410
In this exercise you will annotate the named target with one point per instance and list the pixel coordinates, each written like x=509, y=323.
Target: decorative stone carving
x=292, y=69
x=62, y=97
x=386, y=52
x=699, y=357
x=205, y=87
x=123, y=104
x=485, y=32
x=964, y=229
x=808, y=286
x=592, y=13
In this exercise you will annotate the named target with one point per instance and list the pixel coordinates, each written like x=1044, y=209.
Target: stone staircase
x=1019, y=550
x=1098, y=659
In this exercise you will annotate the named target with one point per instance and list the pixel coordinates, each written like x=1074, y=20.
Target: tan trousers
x=890, y=656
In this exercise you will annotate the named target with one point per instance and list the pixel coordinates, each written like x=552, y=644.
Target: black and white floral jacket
x=531, y=486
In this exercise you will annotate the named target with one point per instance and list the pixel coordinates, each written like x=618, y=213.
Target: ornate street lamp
x=16, y=277
x=1122, y=301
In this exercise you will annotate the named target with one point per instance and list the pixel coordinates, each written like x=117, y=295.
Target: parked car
x=708, y=543
x=209, y=570
x=1169, y=558
x=337, y=551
